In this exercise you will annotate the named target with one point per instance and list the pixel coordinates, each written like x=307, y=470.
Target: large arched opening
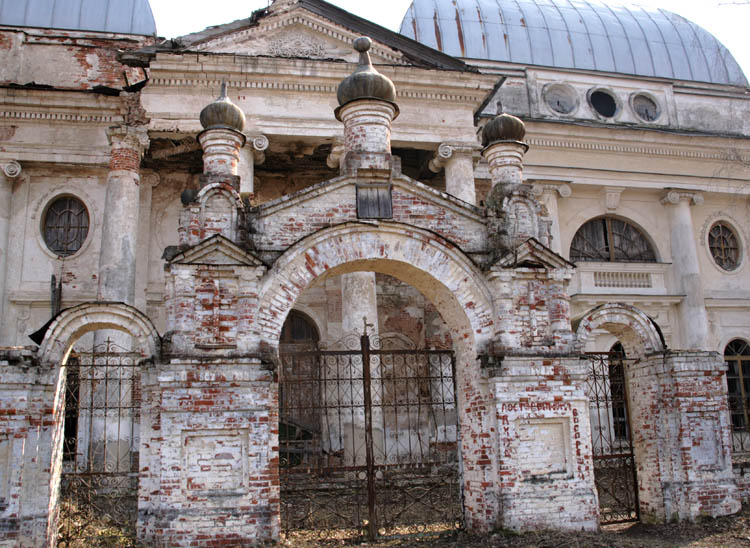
x=447, y=278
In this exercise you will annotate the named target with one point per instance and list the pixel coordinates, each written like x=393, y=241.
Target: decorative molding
x=310, y=88
x=632, y=149
x=611, y=196
x=289, y=46
x=60, y=116
x=674, y=197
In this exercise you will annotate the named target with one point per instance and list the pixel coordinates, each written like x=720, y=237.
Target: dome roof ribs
x=574, y=34
x=115, y=16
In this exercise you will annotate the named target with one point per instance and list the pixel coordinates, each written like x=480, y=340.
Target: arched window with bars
x=609, y=239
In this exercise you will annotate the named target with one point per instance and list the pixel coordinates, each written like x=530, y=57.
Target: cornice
x=313, y=87
x=60, y=117
x=647, y=150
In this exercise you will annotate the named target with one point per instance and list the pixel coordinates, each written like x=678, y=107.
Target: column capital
x=338, y=148
x=151, y=179
x=675, y=196
x=543, y=186
x=12, y=169
x=448, y=150
x=259, y=145
x=133, y=137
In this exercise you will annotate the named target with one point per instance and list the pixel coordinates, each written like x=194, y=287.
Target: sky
x=728, y=20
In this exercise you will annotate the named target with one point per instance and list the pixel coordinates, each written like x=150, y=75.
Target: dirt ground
x=724, y=532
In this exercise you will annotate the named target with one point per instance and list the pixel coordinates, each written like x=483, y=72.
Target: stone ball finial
x=503, y=127
x=223, y=113
x=365, y=82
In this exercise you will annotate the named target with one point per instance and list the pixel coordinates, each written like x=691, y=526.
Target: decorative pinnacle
x=365, y=82
x=223, y=113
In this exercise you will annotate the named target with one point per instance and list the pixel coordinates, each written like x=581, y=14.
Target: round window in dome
x=725, y=246
x=603, y=102
x=645, y=107
x=560, y=98
x=65, y=225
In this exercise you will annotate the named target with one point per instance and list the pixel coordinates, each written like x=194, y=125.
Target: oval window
x=604, y=103
x=65, y=225
x=724, y=245
x=560, y=98
x=645, y=107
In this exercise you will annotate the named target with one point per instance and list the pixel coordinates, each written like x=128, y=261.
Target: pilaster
x=11, y=172
x=549, y=192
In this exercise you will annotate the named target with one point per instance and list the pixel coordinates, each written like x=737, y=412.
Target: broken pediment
x=216, y=250
x=532, y=254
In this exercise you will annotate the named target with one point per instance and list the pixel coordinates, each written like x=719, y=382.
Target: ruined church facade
x=345, y=186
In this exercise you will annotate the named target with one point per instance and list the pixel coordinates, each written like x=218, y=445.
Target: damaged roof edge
x=419, y=54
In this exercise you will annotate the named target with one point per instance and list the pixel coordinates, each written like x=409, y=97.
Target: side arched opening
x=617, y=405
x=96, y=352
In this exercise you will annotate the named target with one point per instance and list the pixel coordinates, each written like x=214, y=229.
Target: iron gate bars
x=99, y=482
x=611, y=432
x=368, y=442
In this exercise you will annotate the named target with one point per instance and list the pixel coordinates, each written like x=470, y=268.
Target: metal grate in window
x=66, y=225
x=724, y=246
x=737, y=359
x=610, y=240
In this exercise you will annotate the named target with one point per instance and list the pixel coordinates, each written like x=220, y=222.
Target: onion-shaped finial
x=503, y=127
x=223, y=113
x=365, y=82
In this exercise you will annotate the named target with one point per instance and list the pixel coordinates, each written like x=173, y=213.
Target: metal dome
x=119, y=16
x=579, y=34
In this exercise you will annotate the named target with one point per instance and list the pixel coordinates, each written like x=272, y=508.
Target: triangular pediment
x=533, y=253
x=313, y=29
x=217, y=250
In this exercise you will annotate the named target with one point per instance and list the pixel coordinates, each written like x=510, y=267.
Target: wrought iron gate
x=614, y=463
x=368, y=442
x=99, y=483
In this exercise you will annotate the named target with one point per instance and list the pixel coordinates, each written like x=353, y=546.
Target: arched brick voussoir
x=638, y=333
x=219, y=188
x=420, y=258
x=72, y=323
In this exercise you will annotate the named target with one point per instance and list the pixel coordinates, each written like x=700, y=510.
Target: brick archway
x=639, y=334
x=72, y=323
x=445, y=276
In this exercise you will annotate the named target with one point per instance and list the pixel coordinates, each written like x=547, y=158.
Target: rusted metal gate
x=368, y=442
x=99, y=482
x=611, y=432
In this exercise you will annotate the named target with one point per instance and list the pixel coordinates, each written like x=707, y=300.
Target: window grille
x=608, y=239
x=737, y=359
x=725, y=249
x=66, y=225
